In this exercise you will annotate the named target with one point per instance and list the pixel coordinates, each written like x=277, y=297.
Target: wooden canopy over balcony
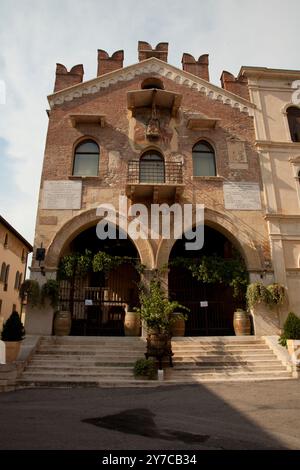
x=153, y=96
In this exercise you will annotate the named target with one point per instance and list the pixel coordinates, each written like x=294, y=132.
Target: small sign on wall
x=62, y=195
x=242, y=196
x=203, y=303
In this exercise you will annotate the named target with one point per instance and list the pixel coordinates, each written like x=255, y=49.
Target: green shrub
x=50, y=291
x=145, y=368
x=271, y=295
x=13, y=329
x=291, y=329
x=30, y=290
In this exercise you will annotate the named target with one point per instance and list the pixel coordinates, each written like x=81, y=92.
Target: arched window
x=293, y=115
x=152, y=82
x=23, y=258
x=204, y=160
x=152, y=168
x=17, y=280
x=2, y=274
x=298, y=176
x=6, y=241
x=86, y=159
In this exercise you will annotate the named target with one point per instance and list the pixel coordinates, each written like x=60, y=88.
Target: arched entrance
x=98, y=298
x=211, y=304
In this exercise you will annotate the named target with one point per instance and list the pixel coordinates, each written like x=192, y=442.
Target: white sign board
x=242, y=196
x=62, y=195
x=204, y=303
x=88, y=302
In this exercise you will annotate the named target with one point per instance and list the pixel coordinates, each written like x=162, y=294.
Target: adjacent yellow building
x=14, y=250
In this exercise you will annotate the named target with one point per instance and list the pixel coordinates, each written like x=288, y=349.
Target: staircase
x=224, y=358
x=108, y=361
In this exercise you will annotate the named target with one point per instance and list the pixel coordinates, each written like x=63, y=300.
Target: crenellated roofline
x=157, y=67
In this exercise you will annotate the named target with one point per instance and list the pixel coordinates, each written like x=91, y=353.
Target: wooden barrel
x=178, y=327
x=132, y=325
x=241, y=323
x=62, y=323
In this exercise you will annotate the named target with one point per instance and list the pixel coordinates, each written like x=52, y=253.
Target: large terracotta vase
x=241, y=322
x=62, y=323
x=132, y=324
x=178, y=326
x=12, y=349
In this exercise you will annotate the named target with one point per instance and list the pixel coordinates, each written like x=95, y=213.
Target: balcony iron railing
x=154, y=172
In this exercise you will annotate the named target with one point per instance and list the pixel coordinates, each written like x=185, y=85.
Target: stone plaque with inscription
x=237, y=154
x=62, y=195
x=242, y=196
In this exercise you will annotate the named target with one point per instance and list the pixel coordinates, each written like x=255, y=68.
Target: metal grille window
x=293, y=115
x=204, y=160
x=152, y=168
x=86, y=160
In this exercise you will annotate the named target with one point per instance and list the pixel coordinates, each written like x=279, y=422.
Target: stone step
x=91, y=372
x=222, y=347
x=275, y=365
x=181, y=375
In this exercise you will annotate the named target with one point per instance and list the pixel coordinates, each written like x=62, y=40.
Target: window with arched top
x=6, y=241
x=293, y=115
x=152, y=83
x=17, y=280
x=152, y=167
x=86, y=159
x=204, y=163
x=2, y=273
x=23, y=257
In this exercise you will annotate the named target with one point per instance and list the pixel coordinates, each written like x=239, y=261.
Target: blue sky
x=35, y=34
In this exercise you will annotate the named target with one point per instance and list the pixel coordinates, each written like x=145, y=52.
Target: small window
x=23, y=257
x=6, y=241
x=150, y=83
x=293, y=115
x=0, y=305
x=86, y=160
x=6, y=277
x=17, y=280
x=152, y=168
x=20, y=281
x=14, y=308
x=204, y=160
x=2, y=274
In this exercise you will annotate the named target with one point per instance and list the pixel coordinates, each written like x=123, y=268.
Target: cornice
x=156, y=66
x=265, y=72
x=268, y=144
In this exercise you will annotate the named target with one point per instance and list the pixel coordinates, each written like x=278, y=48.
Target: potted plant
x=145, y=369
x=12, y=334
x=290, y=337
x=30, y=292
x=50, y=292
x=263, y=303
x=155, y=312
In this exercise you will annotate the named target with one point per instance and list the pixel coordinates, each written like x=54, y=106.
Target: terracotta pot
x=132, y=325
x=62, y=323
x=12, y=349
x=178, y=327
x=241, y=323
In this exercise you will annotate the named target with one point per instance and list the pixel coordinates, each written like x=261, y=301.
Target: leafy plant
x=271, y=295
x=291, y=329
x=277, y=292
x=217, y=270
x=50, y=291
x=145, y=368
x=75, y=264
x=156, y=308
x=13, y=329
x=30, y=290
x=104, y=262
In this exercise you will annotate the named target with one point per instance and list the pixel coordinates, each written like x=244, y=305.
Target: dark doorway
x=98, y=301
x=211, y=305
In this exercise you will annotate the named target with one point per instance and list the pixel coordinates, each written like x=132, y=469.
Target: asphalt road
x=257, y=415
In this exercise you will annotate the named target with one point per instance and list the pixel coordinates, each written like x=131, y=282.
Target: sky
x=36, y=34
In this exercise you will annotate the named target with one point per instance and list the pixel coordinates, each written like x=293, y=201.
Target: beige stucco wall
x=11, y=255
x=271, y=92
